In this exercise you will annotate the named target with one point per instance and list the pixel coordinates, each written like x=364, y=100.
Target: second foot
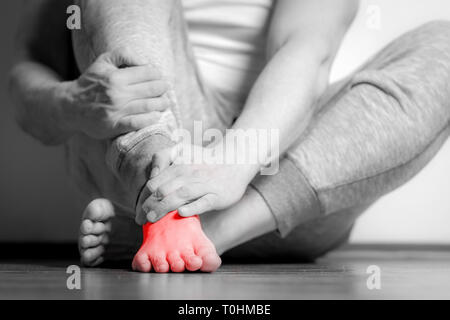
x=94, y=232
x=176, y=244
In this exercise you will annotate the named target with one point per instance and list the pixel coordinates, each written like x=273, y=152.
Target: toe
x=99, y=210
x=211, y=262
x=141, y=262
x=89, y=227
x=91, y=241
x=210, y=258
x=92, y=255
x=191, y=260
x=159, y=263
x=175, y=262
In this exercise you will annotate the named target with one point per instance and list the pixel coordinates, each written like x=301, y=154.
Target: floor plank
x=341, y=275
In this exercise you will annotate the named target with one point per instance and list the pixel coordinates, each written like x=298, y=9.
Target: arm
x=44, y=60
x=104, y=102
x=303, y=40
x=138, y=25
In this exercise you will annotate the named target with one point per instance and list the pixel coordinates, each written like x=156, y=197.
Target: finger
x=141, y=215
x=146, y=90
x=162, y=160
x=182, y=196
x=136, y=122
x=153, y=209
x=169, y=174
x=134, y=75
x=146, y=106
x=200, y=206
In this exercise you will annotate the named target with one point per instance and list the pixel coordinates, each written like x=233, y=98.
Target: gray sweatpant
x=372, y=133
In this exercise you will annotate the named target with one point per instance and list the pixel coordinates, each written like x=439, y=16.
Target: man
x=248, y=64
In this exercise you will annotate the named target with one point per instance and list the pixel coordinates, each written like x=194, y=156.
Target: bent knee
x=435, y=33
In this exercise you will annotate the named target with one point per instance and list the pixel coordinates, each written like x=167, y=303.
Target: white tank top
x=229, y=41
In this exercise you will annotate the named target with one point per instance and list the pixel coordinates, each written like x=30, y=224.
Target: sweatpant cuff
x=289, y=196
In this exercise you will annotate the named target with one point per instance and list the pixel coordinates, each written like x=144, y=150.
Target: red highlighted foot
x=176, y=244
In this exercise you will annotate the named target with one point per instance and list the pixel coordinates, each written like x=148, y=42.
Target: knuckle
x=150, y=186
x=163, y=191
x=156, y=73
x=164, y=103
x=111, y=96
x=209, y=203
x=165, y=203
x=184, y=192
x=113, y=79
x=158, y=87
x=131, y=123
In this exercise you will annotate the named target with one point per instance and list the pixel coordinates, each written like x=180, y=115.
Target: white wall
x=419, y=212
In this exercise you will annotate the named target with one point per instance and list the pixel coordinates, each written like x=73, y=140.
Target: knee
x=435, y=33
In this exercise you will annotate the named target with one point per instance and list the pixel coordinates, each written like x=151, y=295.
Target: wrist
x=243, y=166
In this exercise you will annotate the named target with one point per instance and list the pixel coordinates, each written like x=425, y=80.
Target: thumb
x=163, y=159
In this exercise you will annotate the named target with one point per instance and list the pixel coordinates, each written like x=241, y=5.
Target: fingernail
x=151, y=188
x=151, y=216
x=154, y=173
x=158, y=195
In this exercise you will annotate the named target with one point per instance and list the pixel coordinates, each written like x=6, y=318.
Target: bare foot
x=94, y=232
x=105, y=235
x=176, y=244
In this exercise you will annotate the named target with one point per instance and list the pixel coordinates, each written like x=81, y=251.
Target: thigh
x=374, y=132
x=383, y=124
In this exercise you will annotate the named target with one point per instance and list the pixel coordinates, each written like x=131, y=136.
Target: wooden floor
x=341, y=275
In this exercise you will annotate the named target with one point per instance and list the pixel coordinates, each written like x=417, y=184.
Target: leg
x=129, y=156
x=159, y=33
x=371, y=137
x=106, y=234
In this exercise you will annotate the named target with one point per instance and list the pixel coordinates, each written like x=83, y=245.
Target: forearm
x=285, y=95
x=38, y=95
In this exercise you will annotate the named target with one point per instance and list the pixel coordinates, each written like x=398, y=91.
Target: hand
x=192, y=189
x=116, y=95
